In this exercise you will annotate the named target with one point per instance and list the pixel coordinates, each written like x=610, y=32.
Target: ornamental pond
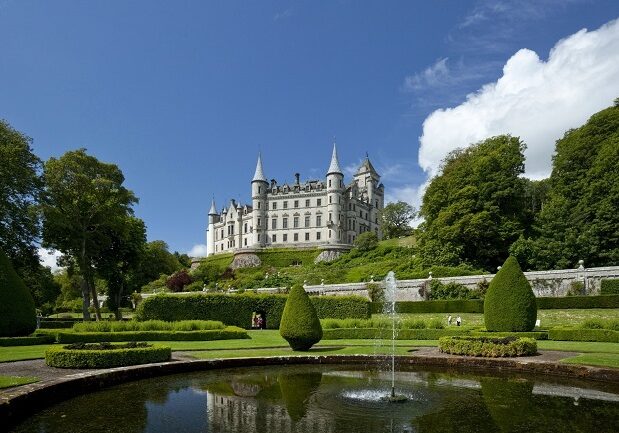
x=337, y=398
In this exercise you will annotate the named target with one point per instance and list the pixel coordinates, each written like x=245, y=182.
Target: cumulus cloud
x=48, y=258
x=198, y=250
x=432, y=76
x=534, y=99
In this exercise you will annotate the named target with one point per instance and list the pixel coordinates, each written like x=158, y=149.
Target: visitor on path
x=458, y=321
x=449, y=320
x=255, y=321
x=260, y=321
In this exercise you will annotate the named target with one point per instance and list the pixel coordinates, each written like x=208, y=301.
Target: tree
x=396, y=219
x=17, y=313
x=474, y=209
x=366, y=241
x=178, y=280
x=300, y=325
x=155, y=260
x=84, y=201
x=116, y=263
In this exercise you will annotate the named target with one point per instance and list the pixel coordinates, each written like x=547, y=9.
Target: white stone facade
x=316, y=213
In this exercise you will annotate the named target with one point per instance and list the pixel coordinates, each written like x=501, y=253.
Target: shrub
x=452, y=290
x=57, y=324
x=149, y=325
x=229, y=333
x=366, y=241
x=384, y=333
x=27, y=341
x=376, y=293
x=609, y=287
x=17, y=311
x=178, y=280
x=237, y=310
x=510, y=303
x=488, y=347
x=97, y=357
x=569, y=302
x=300, y=325
x=451, y=306
x=600, y=324
x=573, y=334
x=536, y=335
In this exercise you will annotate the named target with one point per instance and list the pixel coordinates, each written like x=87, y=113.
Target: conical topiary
x=17, y=312
x=510, y=304
x=300, y=325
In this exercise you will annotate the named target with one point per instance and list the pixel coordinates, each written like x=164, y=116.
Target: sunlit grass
x=10, y=381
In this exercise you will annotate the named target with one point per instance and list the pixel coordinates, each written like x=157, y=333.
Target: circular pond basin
x=335, y=398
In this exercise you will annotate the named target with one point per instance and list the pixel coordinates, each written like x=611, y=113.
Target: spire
x=213, y=210
x=259, y=174
x=335, y=165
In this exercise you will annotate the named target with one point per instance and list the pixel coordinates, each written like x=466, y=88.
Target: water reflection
x=336, y=399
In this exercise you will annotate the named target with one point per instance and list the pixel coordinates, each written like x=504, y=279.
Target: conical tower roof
x=213, y=210
x=334, y=167
x=259, y=174
x=367, y=167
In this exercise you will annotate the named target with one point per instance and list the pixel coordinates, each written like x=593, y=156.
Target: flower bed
x=487, y=346
x=105, y=355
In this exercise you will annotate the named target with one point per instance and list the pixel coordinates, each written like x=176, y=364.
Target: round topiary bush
x=510, y=304
x=105, y=355
x=17, y=313
x=300, y=325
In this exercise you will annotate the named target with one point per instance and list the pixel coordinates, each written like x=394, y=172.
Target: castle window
x=285, y=204
x=329, y=183
x=330, y=218
x=285, y=223
x=274, y=238
x=329, y=234
x=330, y=200
x=317, y=236
x=307, y=203
x=258, y=238
x=307, y=221
x=318, y=220
x=295, y=223
x=274, y=205
x=296, y=203
x=296, y=237
x=259, y=203
x=245, y=228
x=274, y=223
x=245, y=241
x=307, y=236
x=376, y=203
x=222, y=234
x=340, y=183
x=285, y=238
x=259, y=224
x=319, y=202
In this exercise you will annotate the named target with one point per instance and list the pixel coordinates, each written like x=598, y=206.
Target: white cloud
x=48, y=258
x=198, y=250
x=432, y=76
x=534, y=99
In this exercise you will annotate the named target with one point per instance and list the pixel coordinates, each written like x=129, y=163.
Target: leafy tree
x=17, y=313
x=366, y=241
x=183, y=259
x=155, y=260
x=580, y=218
x=474, y=209
x=396, y=219
x=84, y=202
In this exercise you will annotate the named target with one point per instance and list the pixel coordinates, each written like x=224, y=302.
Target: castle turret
x=368, y=180
x=213, y=217
x=335, y=188
x=259, y=187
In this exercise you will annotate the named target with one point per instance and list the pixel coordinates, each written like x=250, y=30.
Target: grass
x=595, y=359
x=10, y=381
x=405, y=241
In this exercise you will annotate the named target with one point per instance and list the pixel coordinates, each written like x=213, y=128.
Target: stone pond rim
x=23, y=401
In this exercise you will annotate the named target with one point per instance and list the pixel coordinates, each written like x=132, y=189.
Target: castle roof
x=259, y=174
x=334, y=167
x=367, y=167
x=213, y=210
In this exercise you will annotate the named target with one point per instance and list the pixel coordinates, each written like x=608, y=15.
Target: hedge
x=477, y=305
x=536, y=335
x=84, y=358
x=17, y=313
x=148, y=325
x=488, y=347
x=229, y=333
x=609, y=287
x=300, y=325
x=237, y=310
x=403, y=334
x=574, y=334
x=27, y=341
x=57, y=324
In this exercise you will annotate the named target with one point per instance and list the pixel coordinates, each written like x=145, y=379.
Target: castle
x=326, y=214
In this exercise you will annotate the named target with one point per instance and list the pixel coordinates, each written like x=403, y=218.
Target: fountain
x=390, y=298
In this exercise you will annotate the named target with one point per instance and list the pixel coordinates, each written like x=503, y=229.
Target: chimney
x=297, y=176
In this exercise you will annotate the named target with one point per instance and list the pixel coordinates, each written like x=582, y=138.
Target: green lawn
x=10, y=381
x=595, y=359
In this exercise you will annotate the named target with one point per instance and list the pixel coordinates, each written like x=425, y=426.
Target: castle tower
x=368, y=180
x=213, y=217
x=259, y=186
x=335, y=188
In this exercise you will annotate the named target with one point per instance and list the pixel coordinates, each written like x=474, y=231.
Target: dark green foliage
x=86, y=358
x=376, y=293
x=451, y=290
x=237, y=310
x=492, y=347
x=27, y=341
x=578, y=334
x=384, y=333
x=296, y=390
x=148, y=325
x=300, y=325
x=474, y=209
x=510, y=303
x=536, y=335
x=229, y=333
x=396, y=218
x=578, y=302
x=452, y=306
x=17, y=312
x=366, y=241
x=600, y=324
x=57, y=324
x=609, y=287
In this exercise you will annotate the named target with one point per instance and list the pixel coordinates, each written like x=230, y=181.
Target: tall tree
x=84, y=201
x=155, y=260
x=474, y=209
x=396, y=219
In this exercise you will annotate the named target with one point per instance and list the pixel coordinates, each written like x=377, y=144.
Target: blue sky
x=182, y=95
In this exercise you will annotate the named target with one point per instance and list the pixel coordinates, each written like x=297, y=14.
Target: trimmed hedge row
x=609, y=287
x=148, y=325
x=237, y=310
x=477, y=305
x=536, y=335
x=488, y=347
x=57, y=324
x=83, y=358
x=27, y=341
x=229, y=333
x=403, y=334
x=574, y=334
